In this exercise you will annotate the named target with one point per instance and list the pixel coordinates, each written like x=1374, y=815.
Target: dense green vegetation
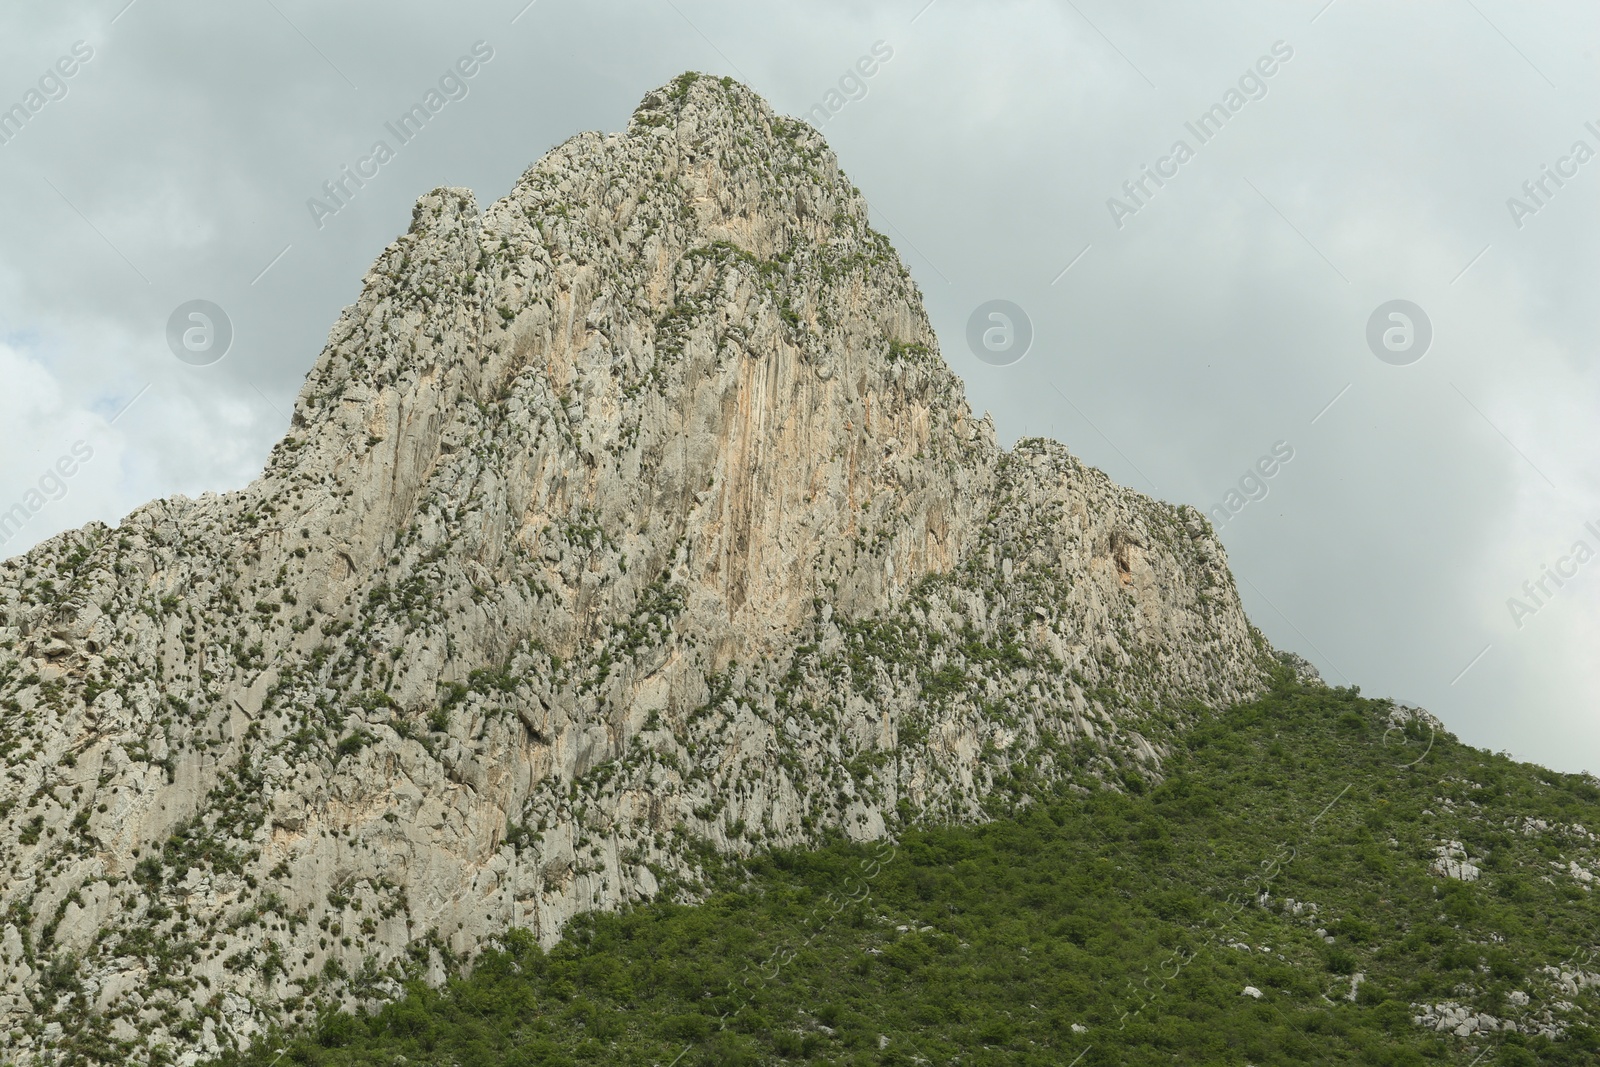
x=1139, y=915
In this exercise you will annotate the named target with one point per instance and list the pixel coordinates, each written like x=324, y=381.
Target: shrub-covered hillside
x=1320, y=879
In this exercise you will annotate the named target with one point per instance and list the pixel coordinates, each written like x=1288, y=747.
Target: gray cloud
x=1220, y=318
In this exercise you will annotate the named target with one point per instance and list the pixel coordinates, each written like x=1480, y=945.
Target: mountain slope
x=630, y=520
x=1300, y=847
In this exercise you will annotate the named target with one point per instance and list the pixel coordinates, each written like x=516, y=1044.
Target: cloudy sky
x=1363, y=153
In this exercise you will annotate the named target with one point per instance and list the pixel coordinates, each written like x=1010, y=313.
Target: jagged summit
x=632, y=516
x=705, y=166
x=715, y=253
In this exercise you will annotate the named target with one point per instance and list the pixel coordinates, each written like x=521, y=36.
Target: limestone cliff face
x=634, y=514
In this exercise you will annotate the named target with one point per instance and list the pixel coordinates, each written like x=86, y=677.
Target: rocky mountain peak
x=633, y=516
x=635, y=291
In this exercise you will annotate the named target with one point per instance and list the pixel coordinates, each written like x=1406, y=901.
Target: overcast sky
x=1180, y=334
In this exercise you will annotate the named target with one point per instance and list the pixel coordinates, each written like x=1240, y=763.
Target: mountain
x=629, y=523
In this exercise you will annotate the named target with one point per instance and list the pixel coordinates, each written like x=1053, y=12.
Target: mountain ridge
x=631, y=517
